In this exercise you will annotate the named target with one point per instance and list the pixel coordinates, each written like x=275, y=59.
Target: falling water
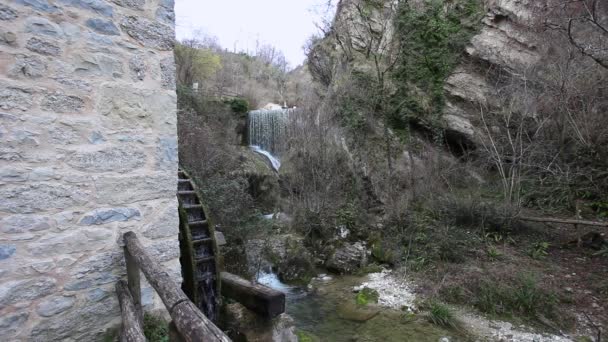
x=267, y=129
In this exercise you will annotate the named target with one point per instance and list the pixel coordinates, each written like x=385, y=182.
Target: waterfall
x=267, y=129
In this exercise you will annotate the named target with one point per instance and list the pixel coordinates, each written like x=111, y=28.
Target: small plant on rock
x=440, y=314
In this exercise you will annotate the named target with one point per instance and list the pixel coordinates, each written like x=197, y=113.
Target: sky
x=285, y=24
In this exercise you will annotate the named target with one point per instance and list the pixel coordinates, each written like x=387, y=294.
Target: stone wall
x=88, y=151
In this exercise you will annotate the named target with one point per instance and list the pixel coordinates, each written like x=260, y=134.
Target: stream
x=327, y=311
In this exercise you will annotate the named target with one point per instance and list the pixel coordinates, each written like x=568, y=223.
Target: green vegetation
x=303, y=336
x=431, y=43
x=155, y=328
x=521, y=296
x=442, y=315
x=366, y=296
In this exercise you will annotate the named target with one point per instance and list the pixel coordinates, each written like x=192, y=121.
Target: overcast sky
x=285, y=24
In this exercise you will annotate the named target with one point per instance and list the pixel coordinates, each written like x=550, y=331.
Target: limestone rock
x=7, y=13
x=61, y=103
x=70, y=242
x=107, y=215
x=137, y=65
x=25, y=290
x=97, y=6
x=30, y=198
x=166, y=225
x=110, y=190
x=167, y=73
x=7, y=251
x=41, y=5
x=135, y=4
x=11, y=323
x=28, y=66
x=55, y=305
x=42, y=26
x=103, y=26
x=117, y=159
x=17, y=224
x=149, y=33
x=15, y=98
x=80, y=325
x=167, y=153
x=43, y=47
x=348, y=258
x=165, y=12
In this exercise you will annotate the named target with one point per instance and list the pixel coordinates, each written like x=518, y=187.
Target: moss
x=303, y=336
x=366, y=296
x=156, y=329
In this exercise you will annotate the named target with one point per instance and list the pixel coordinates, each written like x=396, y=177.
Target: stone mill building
x=88, y=151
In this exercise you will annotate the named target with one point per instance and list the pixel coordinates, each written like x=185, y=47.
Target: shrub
x=239, y=105
x=440, y=314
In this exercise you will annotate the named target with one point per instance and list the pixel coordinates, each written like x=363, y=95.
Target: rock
x=96, y=138
x=39, y=25
x=167, y=153
x=97, y=6
x=107, y=215
x=55, y=305
x=135, y=4
x=17, y=224
x=166, y=12
x=96, y=295
x=349, y=310
x=43, y=47
x=35, y=197
x=250, y=327
x=78, y=324
x=348, y=258
x=15, y=98
x=69, y=242
x=165, y=250
x=167, y=73
x=15, y=291
x=137, y=65
x=28, y=66
x=117, y=159
x=166, y=225
x=8, y=38
x=80, y=85
x=12, y=175
x=42, y=174
x=110, y=190
x=60, y=103
x=63, y=134
x=7, y=13
x=148, y=33
x=137, y=108
x=11, y=323
x=7, y=251
x=41, y=5
x=102, y=26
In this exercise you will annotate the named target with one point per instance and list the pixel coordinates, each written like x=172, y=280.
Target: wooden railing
x=188, y=320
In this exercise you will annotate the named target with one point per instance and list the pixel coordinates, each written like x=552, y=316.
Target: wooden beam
x=188, y=319
x=132, y=330
x=134, y=285
x=257, y=298
x=566, y=221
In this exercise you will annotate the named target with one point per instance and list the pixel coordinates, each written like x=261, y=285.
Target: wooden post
x=257, y=298
x=134, y=284
x=189, y=320
x=132, y=330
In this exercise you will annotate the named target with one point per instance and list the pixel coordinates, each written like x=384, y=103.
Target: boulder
x=348, y=258
x=244, y=325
